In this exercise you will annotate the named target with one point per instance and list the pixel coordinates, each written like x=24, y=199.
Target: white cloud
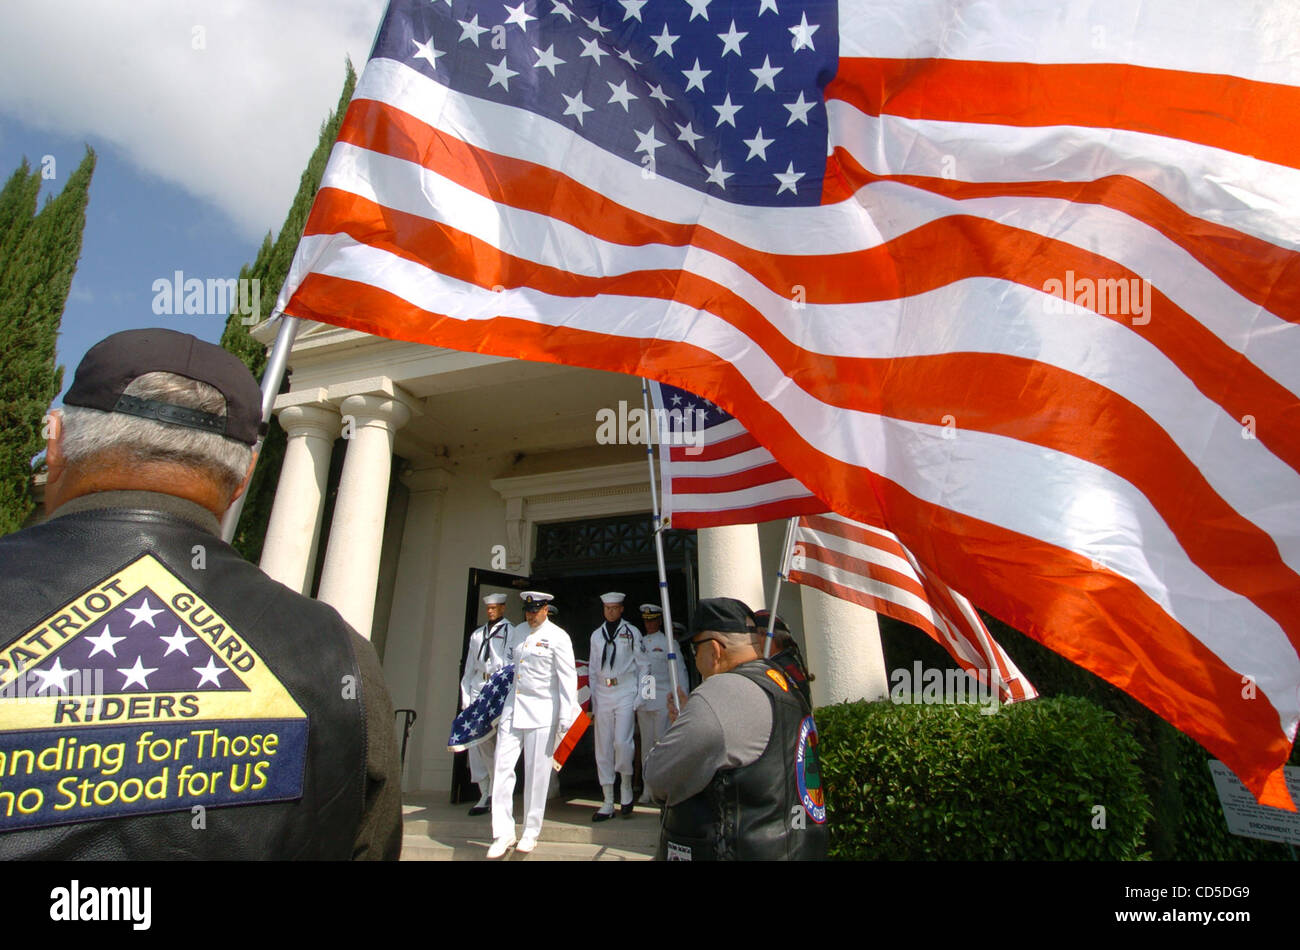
x=223, y=97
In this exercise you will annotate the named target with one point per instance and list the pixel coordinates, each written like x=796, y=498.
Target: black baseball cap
x=761, y=617
x=112, y=363
x=723, y=615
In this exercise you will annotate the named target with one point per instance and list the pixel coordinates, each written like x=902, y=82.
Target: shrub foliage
x=1053, y=779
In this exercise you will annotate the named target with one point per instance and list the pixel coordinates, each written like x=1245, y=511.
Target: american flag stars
x=153, y=650
x=546, y=59
x=426, y=52
x=723, y=97
x=695, y=76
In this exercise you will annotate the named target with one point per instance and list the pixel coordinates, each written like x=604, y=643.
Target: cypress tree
x=270, y=268
x=38, y=257
x=17, y=210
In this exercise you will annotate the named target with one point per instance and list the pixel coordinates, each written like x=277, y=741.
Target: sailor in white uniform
x=653, y=699
x=615, y=667
x=486, y=655
x=541, y=705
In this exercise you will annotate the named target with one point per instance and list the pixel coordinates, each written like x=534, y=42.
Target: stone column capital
x=310, y=420
x=378, y=410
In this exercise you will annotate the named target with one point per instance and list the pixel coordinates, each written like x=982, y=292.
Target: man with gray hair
x=160, y=697
x=738, y=767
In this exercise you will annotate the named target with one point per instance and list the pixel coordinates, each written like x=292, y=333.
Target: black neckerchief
x=486, y=648
x=611, y=646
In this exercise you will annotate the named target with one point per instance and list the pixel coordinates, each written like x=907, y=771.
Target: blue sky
x=202, y=116
x=139, y=228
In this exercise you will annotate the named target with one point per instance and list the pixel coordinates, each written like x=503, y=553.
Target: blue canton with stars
x=140, y=646
x=695, y=412
x=725, y=97
x=479, y=719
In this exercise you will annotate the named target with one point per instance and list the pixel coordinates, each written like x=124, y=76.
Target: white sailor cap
x=613, y=597
x=494, y=600
x=651, y=610
x=534, y=599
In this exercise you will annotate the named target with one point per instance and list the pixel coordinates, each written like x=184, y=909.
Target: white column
x=730, y=564
x=415, y=680
x=843, y=649
x=289, y=552
x=357, y=532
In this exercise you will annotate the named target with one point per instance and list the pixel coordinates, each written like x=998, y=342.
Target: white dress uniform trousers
x=652, y=714
x=615, y=685
x=542, y=701
x=478, y=667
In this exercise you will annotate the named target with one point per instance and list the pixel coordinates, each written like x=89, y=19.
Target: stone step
x=475, y=849
x=436, y=831
x=632, y=832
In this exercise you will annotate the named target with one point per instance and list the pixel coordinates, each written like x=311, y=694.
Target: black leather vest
x=769, y=810
x=790, y=661
x=120, y=764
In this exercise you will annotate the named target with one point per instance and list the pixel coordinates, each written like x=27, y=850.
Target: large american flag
x=1017, y=280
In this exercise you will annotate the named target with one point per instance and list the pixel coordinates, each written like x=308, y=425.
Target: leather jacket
x=246, y=739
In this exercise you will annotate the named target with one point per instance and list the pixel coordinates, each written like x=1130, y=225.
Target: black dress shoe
x=627, y=810
x=480, y=810
x=602, y=816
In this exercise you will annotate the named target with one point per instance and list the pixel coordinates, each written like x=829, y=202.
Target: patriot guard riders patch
x=136, y=697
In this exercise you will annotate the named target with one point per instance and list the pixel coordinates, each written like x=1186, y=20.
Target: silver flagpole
x=272, y=376
x=659, y=546
x=782, y=573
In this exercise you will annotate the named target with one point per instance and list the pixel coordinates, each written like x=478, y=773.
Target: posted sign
x=1250, y=819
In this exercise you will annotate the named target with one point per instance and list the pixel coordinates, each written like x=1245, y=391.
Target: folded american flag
x=479, y=719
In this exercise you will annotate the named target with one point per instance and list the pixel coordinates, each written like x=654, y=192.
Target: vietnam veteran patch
x=808, y=772
x=136, y=697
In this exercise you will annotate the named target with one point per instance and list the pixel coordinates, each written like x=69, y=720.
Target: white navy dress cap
x=535, y=598
x=652, y=610
x=494, y=600
x=613, y=597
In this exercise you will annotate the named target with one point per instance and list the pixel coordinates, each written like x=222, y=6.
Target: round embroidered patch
x=807, y=772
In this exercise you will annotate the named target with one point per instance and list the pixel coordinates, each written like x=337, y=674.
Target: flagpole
x=272, y=376
x=659, y=545
x=782, y=573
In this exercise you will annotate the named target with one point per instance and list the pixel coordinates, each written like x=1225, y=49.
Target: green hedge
x=909, y=782
x=1187, y=821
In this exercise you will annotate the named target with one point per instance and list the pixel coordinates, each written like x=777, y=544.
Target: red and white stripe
x=1081, y=476
x=868, y=566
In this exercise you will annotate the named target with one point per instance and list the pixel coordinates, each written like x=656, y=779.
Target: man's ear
x=717, y=652
x=56, y=463
x=57, y=475
x=248, y=477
